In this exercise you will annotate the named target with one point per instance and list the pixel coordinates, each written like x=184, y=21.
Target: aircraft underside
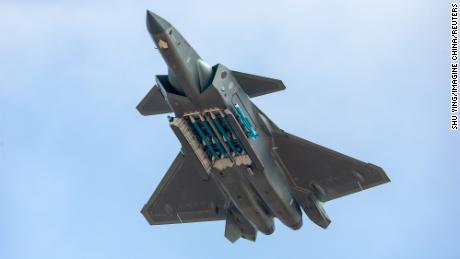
x=235, y=164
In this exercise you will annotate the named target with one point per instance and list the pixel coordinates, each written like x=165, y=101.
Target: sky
x=366, y=78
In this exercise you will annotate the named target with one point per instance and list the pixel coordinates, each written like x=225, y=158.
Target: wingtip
x=140, y=108
x=146, y=214
x=381, y=172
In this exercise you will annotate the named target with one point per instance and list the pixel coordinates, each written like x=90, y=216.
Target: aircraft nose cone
x=156, y=24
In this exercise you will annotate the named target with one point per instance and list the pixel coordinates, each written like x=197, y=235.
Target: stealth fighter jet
x=235, y=164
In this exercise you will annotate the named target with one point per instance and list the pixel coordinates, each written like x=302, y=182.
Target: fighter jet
x=235, y=164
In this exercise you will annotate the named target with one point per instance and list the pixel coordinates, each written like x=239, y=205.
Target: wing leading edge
x=326, y=173
x=182, y=196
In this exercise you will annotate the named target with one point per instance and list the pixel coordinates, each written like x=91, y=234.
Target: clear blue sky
x=366, y=78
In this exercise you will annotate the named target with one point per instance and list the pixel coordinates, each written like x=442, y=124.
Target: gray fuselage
x=217, y=123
